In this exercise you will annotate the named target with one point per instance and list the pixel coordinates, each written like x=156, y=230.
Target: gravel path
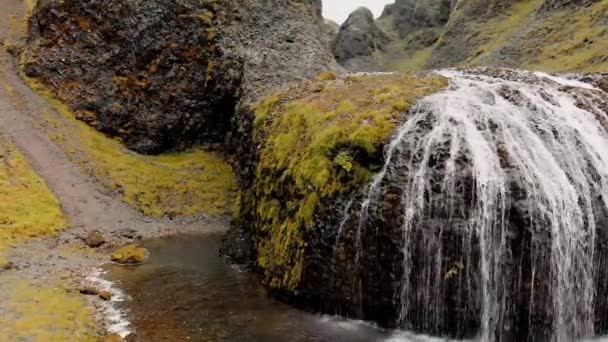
x=86, y=204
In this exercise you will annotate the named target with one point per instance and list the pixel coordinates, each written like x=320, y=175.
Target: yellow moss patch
x=49, y=314
x=417, y=61
x=29, y=6
x=187, y=183
x=316, y=145
x=27, y=207
x=130, y=254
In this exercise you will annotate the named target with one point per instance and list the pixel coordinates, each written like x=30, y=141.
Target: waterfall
x=512, y=167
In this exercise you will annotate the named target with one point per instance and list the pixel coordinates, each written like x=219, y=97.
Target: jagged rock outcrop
x=358, y=40
x=408, y=16
x=331, y=30
x=404, y=28
x=167, y=74
x=550, y=35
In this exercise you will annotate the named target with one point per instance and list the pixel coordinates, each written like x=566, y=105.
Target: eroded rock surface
x=165, y=75
x=358, y=39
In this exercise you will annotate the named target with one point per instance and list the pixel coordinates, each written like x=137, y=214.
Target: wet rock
x=359, y=269
x=95, y=239
x=130, y=254
x=88, y=291
x=105, y=295
x=7, y=266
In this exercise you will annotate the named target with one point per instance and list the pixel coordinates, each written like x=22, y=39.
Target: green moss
x=417, y=61
x=565, y=40
x=36, y=313
x=495, y=33
x=27, y=207
x=186, y=183
x=130, y=254
x=574, y=41
x=315, y=146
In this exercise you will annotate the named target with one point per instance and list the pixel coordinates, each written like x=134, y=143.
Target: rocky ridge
x=550, y=35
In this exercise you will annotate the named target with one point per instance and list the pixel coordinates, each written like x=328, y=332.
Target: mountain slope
x=548, y=35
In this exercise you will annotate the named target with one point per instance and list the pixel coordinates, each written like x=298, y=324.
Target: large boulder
x=312, y=146
x=476, y=225
x=358, y=40
x=167, y=74
x=408, y=16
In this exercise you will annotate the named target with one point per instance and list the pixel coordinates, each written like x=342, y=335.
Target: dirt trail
x=86, y=203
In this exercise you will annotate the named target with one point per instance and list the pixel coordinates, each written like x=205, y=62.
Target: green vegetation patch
x=50, y=313
x=573, y=41
x=27, y=207
x=317, y=141
x=197, y=181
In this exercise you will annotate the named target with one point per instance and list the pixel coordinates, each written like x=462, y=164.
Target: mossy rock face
x=314, y=144
x=130, y=255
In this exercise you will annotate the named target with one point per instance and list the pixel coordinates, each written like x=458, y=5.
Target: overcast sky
x=338, y=10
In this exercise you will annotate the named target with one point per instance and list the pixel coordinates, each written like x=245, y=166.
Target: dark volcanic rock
x=428, y=246
x=331, y=31
x=357, y=41
x=411, y=15
x=168, y=74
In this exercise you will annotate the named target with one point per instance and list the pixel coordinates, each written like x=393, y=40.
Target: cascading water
x=503, y=182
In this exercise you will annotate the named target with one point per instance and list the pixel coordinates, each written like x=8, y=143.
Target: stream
x=187, y=292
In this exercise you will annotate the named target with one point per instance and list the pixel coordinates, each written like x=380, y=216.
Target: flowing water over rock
x=498, y=187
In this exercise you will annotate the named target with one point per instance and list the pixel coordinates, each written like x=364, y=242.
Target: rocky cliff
x=535, y=34
x=358, y=41
x=165, y=75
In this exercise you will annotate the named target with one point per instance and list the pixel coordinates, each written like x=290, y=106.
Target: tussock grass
x=27, y=207
x=43, y=313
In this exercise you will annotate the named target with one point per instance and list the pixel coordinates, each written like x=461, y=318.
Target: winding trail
x=29, y=121
x=85, y=202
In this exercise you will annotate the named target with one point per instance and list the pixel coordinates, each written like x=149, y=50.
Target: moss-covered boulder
x=314, y=144
x=130, y=254
x=105, y=295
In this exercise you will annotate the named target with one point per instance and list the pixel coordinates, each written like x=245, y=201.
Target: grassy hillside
x=525, y=34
